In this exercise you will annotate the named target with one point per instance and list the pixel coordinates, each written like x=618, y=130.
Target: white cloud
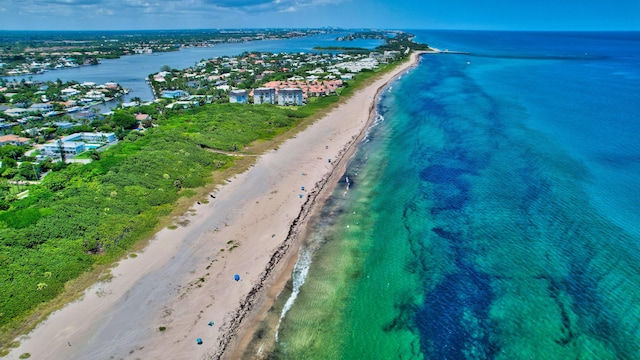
x=124, y=6
x=154, y=14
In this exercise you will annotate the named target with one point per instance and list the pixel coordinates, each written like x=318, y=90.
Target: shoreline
x=159, y=302
x=302, y=229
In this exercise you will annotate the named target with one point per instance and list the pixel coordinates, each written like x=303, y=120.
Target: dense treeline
x=82, y=215
x=402, y=41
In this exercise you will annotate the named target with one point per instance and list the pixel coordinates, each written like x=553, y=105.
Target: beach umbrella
x=210, y=323
x=300, y=196
x=199, y=341
x=236, y=277
x=302, y=188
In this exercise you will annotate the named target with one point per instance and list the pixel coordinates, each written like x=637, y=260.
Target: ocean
x=491, y=212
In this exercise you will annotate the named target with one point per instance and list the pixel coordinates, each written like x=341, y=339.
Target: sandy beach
x=161, y=301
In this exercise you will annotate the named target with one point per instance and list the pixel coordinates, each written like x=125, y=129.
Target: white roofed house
x=41, y=108
x=16, y=112
x=70, y=92
x=239, y=96
x=95, y=95
x=77, y=143
x=290, y=96
x=264, y=95
x=69, y=148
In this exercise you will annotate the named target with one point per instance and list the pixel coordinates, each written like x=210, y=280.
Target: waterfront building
x=290, y=96
x=174, y=94
x=70, y=92
x=144, y=50
x=238, y=96
x=264, y=95
x=69, y=148
x=77, y=143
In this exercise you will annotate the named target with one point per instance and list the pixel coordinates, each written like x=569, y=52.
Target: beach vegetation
x=82, y=216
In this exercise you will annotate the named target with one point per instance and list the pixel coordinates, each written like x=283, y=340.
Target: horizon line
x=323, y=28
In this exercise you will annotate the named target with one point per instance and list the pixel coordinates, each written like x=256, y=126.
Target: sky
x=382, y=14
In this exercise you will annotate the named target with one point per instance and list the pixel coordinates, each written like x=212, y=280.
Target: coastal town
x=259, y=78
x=52, y=121
x=37, y=53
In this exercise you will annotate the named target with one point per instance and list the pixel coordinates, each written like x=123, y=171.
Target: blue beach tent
x=199, y=341
x=236, y=277
x=210, y=323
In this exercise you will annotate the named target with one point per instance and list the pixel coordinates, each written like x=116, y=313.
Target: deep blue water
x=538, y=132
x=496, y=211
x=580, y=89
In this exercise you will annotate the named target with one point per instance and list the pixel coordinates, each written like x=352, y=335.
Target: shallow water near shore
x=491, y=215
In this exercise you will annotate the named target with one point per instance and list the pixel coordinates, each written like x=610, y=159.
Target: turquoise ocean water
x=491, y=213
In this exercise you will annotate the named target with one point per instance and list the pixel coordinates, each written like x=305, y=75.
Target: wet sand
x=184, y=278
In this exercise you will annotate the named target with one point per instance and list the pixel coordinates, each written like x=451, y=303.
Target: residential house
x=159, y=77
x=290, y=96
x=41, y=108
x=69, y=148
x=174, y=94
x=94, y=95
x=264, y=95
x=77, y=143
x=69, y=92
x=143, y=117
x=238, y=96
x=13, y=140
x=63, y=124
x=16, y=112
